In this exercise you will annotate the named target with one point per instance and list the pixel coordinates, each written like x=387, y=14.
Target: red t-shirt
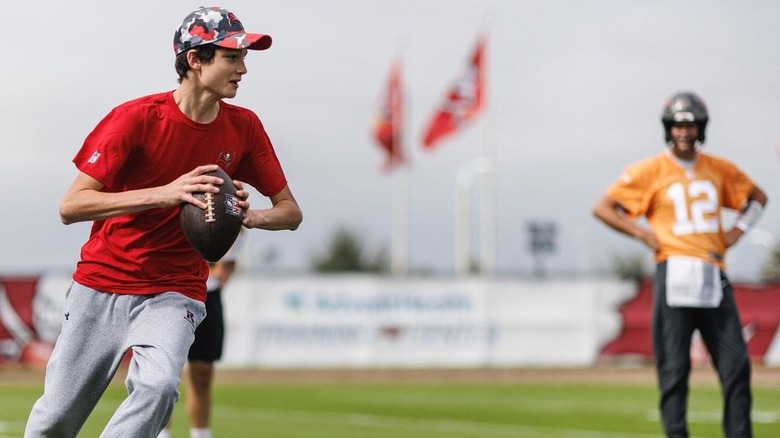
x=149, y=142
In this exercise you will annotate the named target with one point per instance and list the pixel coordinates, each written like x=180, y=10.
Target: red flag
x=388, y=121
x=463, y=102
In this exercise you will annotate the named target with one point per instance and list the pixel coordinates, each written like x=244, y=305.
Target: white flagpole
x=487, y=222
x=488, y=196
x=483, y=167
x=463, y=183
x=477, y=167
x=399, y=257
x=400, y=248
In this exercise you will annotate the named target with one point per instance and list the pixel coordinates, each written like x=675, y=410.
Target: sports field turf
x=435, y=404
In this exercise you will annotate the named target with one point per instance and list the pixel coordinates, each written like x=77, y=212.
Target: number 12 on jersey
x=695, y=210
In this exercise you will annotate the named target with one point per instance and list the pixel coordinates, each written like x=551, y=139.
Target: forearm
x=85, y=199
x=747, y=218
x=284, y=215
x=90, y=205
x=612, y=214
x=752, y=211
x=609, y=215
x=623, y=225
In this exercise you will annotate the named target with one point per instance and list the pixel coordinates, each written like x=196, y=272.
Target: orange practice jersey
x=683, y=207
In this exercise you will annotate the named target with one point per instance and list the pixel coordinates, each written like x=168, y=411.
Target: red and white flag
x=463, y=102
x=388, y=121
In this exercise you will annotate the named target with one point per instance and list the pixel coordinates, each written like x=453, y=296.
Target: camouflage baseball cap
x=215, y=25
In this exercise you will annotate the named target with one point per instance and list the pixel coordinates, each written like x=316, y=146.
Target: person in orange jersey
x=681, y=192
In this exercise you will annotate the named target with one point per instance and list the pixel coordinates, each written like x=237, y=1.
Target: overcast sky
x=575, y=91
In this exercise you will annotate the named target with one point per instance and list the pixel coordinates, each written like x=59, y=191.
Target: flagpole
x=488, y=187
x=487, y=225
x=389, y=132
x=399, y=250
x=462, y=103
x=463, y=183
x=400, y=234
x=488, y=229
x=480, y=167
x=400, y=246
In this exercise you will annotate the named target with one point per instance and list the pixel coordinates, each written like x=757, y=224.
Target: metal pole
x=400, y=247
x=463, y=184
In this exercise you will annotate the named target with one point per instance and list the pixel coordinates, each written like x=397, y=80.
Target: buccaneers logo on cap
x=231, y=18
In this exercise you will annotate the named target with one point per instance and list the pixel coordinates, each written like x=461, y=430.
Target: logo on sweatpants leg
x=190, y=318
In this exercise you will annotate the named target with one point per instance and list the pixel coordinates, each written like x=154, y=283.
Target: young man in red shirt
x=139, y=286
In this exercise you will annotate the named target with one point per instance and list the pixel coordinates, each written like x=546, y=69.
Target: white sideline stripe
x=757, y=417
x=10, y=426
x=467, y=428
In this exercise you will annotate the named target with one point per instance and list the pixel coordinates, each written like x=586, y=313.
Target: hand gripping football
x=211, y=232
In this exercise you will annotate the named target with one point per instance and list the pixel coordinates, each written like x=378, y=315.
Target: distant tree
x=630, y=266
x=770, y=273
x=346, y=252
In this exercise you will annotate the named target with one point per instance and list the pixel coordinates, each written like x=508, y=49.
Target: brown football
x=211, y=232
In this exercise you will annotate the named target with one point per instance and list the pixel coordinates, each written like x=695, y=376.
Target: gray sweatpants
x=98, y=328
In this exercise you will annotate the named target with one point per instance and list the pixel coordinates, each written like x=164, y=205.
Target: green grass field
x=580, y=406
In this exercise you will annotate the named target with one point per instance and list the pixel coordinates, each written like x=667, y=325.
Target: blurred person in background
x=208, y=346
x=682, y=192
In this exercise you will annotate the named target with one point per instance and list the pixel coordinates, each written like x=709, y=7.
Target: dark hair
x=205, y=54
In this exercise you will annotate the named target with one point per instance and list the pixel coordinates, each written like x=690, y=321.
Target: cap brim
x=242, y=40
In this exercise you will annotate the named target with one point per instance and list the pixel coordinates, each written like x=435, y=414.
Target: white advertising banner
x=355, y=321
